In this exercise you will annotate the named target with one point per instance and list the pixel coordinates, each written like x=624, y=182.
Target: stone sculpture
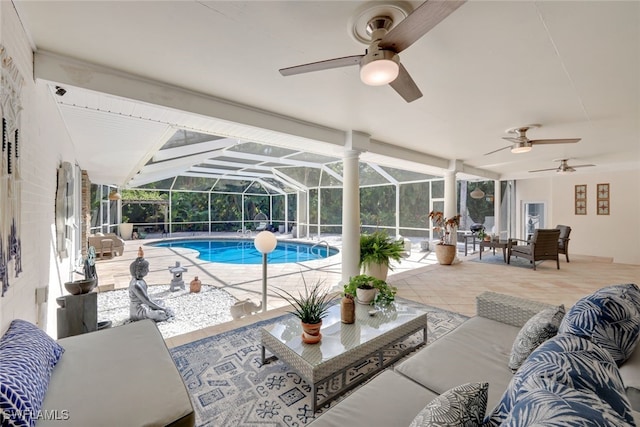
x=244, y=308
x=141, y=305
x=176, y=281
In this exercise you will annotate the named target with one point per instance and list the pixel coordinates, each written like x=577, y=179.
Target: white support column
x=286, y=213
x=350, y=215
x=497, y=201
x=450, y=200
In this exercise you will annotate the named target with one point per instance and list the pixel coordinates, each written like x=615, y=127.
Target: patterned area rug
x=230, y=387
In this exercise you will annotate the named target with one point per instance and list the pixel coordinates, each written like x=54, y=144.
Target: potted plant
x=446, y=247
x=370, y=290
x=126, y=228
x=310, y=307
x=482, y=235
x=376, y=251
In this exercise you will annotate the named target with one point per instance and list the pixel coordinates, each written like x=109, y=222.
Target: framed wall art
x=603, y=199
x=581, y=199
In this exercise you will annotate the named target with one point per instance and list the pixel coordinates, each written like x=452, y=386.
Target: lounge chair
x=262, y=225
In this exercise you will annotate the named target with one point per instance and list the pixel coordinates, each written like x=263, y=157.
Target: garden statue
x=141, y=305
x=244, y=308
x=89, y=265
x=176, y=281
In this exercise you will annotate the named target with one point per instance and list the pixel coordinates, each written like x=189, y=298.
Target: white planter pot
x=126, y=230
x=379, y=271
x=365, y=296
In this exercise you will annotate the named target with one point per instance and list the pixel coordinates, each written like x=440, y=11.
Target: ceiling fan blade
x=515, y=140
x=581, y=166
x=322, y=65
x=542, y=170
x=555, y=141
x=418, y=23
x=499, y=149
x=405, y=86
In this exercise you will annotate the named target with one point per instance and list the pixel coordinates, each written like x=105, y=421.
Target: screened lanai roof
x=192, y=161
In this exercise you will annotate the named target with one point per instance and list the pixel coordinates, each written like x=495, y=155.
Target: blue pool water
x=244, y=252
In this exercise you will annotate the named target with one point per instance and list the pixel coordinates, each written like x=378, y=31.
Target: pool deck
x=418, y=278
x=241, y=281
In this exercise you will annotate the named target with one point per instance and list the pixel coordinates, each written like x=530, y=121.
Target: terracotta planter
x=365, y=296
x=195, y=285
x=311, y=332
x=379, y=271
x=445, y=254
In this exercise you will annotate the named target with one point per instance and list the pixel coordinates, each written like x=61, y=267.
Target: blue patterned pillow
x=571, y=362
x=462, y=406
x=28, y=356
x=610, y=317
x=562, y=406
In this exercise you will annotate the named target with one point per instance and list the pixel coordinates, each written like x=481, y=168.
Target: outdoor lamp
x=477, y=193
x=265, y=242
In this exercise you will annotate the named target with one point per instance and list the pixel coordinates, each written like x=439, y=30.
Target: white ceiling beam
x=226, y=172
x=236, y=164
x=62, y=69
x=290, y=181
x=200, y=148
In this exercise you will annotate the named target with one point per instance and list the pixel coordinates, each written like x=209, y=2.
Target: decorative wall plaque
x=603, y=199
x=581, y=199
x=10, y=107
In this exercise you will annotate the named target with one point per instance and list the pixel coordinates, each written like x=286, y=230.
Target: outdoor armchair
x=563, y=241
x=543, y=245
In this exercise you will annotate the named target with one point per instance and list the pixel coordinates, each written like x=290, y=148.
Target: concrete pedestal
x=78, y=315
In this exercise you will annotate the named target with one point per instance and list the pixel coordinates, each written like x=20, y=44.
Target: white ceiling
x=572, y=66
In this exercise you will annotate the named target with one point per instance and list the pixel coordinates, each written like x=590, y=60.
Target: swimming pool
x=244, y=252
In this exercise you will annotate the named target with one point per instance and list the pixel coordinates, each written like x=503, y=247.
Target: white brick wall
x=44, y=145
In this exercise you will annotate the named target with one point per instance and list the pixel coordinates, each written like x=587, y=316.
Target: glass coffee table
x=347, y=354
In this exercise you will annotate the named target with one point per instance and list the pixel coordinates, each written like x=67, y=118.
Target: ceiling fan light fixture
x=379, y=68
x=521, y=148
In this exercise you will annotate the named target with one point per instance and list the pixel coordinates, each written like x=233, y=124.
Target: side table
x=502, y=244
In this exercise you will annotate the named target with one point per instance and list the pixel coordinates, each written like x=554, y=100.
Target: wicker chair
x=563, y=241
x=543, y=245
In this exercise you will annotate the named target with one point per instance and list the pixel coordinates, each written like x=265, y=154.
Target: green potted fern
x=376, y=252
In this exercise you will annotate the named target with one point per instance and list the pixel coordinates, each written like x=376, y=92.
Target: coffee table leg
x=263, y=351
x=315, y=398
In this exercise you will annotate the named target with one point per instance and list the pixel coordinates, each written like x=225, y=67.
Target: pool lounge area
x=418, y=278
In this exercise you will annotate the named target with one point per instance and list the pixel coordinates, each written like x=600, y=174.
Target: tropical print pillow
x=610, y=317
x=538, y=329
x=560, y=365
x=462, y=406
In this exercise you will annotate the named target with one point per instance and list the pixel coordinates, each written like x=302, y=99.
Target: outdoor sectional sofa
x=585, y=371
x=122, y=376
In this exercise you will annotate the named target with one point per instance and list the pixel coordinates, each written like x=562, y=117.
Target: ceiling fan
x=522, y=144
x=563, y=167
x=380, y=64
